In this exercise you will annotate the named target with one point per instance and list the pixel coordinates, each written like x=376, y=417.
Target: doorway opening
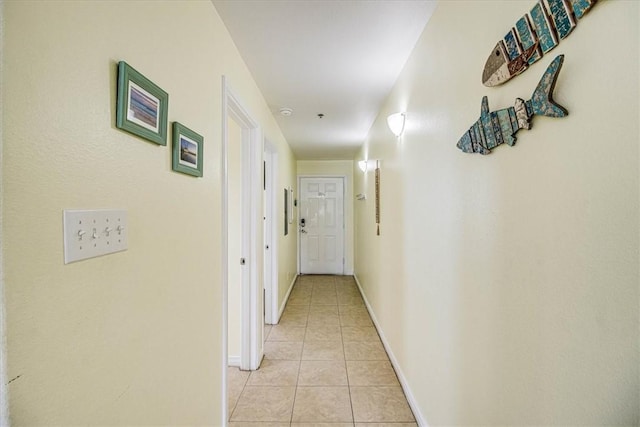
x=242, y=211
x=270, y=180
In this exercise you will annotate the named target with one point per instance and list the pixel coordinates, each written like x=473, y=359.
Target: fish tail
x=542, y=100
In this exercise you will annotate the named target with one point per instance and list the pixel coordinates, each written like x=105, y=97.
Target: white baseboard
x=403, y=381
x=233, y=361
x=286, y=297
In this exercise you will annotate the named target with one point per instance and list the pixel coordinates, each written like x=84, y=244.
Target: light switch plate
x=92, y=233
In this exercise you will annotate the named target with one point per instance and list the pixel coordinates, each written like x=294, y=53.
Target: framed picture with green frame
x=187, y=150
x=142, y=106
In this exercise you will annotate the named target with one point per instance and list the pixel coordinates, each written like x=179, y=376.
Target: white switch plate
x=92, y=233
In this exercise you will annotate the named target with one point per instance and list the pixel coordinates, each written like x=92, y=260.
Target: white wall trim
x=286, y=297
x=4, y=388
x=224, y=252
x=251, y=342
x=422, y=422
x=233, y=361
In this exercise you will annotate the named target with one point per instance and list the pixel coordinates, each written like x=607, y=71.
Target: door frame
x=4, y=391
x=252, y=346
x=271, y=234
x=344, y=218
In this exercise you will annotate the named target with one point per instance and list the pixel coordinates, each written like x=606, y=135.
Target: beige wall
x=132, y=338
x=336, y=168
x=287, y=267
x=507, y=285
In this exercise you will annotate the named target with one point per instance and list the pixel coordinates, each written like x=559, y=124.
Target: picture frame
x=187, y=150
x=142, y=106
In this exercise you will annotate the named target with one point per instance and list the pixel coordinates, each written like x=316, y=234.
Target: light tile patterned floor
x=324, y=365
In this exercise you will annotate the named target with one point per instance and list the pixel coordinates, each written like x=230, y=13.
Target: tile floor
x=324, y=364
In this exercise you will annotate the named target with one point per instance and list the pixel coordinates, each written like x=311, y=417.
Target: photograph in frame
x=142, y=106
x=187, y=150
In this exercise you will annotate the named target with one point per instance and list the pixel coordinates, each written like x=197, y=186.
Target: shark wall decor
x=499, y=127
x=535, y=34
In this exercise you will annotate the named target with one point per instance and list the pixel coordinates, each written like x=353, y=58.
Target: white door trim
x=344, y=218
x=251, y=341
x=272, y=314
x=4, y=391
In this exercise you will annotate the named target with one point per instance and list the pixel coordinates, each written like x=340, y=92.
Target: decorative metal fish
x=535, y=34
x=497, y=127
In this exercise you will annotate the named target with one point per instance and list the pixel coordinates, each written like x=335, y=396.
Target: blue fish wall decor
x=535, y=34
x=497, y=127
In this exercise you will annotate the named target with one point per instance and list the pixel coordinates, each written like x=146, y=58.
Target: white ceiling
x=340, y=58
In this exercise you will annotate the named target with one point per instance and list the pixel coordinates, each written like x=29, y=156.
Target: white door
x=321, y=224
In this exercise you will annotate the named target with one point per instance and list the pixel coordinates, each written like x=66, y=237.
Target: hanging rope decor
x=378, y=198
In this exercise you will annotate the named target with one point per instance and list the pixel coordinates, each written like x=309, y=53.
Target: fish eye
x=497, y=53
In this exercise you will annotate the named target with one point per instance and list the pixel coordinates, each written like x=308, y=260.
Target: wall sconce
x=396, y=123
x=367, y=165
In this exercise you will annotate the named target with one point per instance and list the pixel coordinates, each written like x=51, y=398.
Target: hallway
x=324, y=363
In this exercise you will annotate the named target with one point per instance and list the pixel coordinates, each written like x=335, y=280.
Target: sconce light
x=367, y=165
x=362, y=164
x=396, y=123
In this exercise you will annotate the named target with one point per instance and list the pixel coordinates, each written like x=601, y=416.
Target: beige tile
x=323, y=309
x=364, y=350
x=322, y=350
x=283, y=350
x=293, y=318
x=355, y=319
x=301, y=290
x=321, y=424
x=322, y=404
x=260, y=403
x=323, y=278
x=236, y=377
x=299, y=299
x=304, y=281
x=256, y=424
x=353, y=309
x=324, y=289
x=267, y=330
x=386, y=425
x=303, y=287
x=236, y=380
x=347, y=292
x=329, y=299
x=350, y=300
x=275, y=373
x=380, y=404
x=322, y=373
x=319, y=319
x=374, y=373
x=358, y=333
x=323, y=333
x=296, y=309
x=287, y=333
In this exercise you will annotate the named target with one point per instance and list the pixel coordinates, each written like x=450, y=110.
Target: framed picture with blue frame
x=187, y=150
x=142, y=106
